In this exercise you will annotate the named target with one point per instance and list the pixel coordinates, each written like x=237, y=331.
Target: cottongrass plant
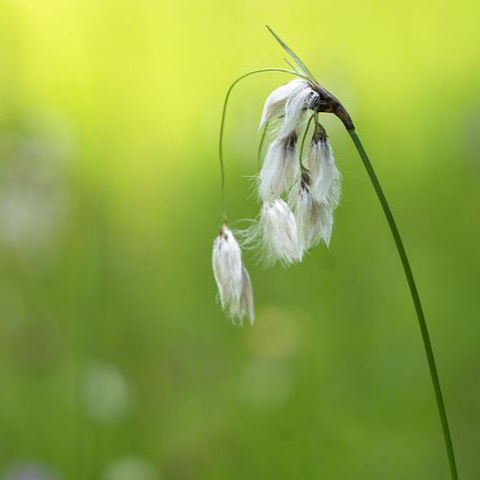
x=299, y=188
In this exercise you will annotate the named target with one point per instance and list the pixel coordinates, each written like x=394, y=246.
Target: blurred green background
x=115, y=361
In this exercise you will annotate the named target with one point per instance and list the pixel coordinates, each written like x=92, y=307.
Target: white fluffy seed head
x=275, y=103
x=296, y=106
x=314, y=219
x=233, y=282
x=326, y=178
x=279, y=233
x=227, y=266
x=289, y=102
x=280, y=167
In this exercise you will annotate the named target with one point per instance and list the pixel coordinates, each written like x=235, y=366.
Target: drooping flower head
x=274, y=106
x=314, y=221
x=233, y=281
x=279, y=234
x=289, y=102
x=325, y=174
x=317, y=194
x=280, y=167
x=298, y=193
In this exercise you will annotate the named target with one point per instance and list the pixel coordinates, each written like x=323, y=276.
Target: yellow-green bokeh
x=109, y=202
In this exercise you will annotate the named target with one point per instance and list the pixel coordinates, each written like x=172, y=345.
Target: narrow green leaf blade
x=292, y=54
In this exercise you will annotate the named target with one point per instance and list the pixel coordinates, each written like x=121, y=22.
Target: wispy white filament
x=279, y=233
x=233, y=282
x=325, y=211
x=280, y=167
x=245, y=306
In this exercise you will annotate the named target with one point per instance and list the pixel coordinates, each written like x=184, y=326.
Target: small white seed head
x=233, y=282
x=314, y=219
x=326, y=178
x=280, y=167
x=295, y=108
x=275, y=104
x=289, y=102
x=279, y=233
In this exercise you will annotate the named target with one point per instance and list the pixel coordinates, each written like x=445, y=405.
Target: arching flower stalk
x=298, y=197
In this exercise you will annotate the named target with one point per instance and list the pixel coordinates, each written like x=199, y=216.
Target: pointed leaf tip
x=292, y=54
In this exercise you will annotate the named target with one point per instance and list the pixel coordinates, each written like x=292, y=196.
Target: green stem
x=222, y=126
x=416, y=301
x=300, y=155
x=260, y=145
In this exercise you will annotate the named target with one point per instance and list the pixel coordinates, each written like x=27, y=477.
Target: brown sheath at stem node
x=327, y=103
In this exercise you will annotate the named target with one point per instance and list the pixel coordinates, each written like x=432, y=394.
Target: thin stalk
x=260, y=145
x=222, y=126
x=300, y=154
x=416, y=301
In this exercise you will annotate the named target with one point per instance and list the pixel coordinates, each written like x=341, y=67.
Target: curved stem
x=300, y=155
x=416, y=301
x=222, y=125
x=260, y=145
